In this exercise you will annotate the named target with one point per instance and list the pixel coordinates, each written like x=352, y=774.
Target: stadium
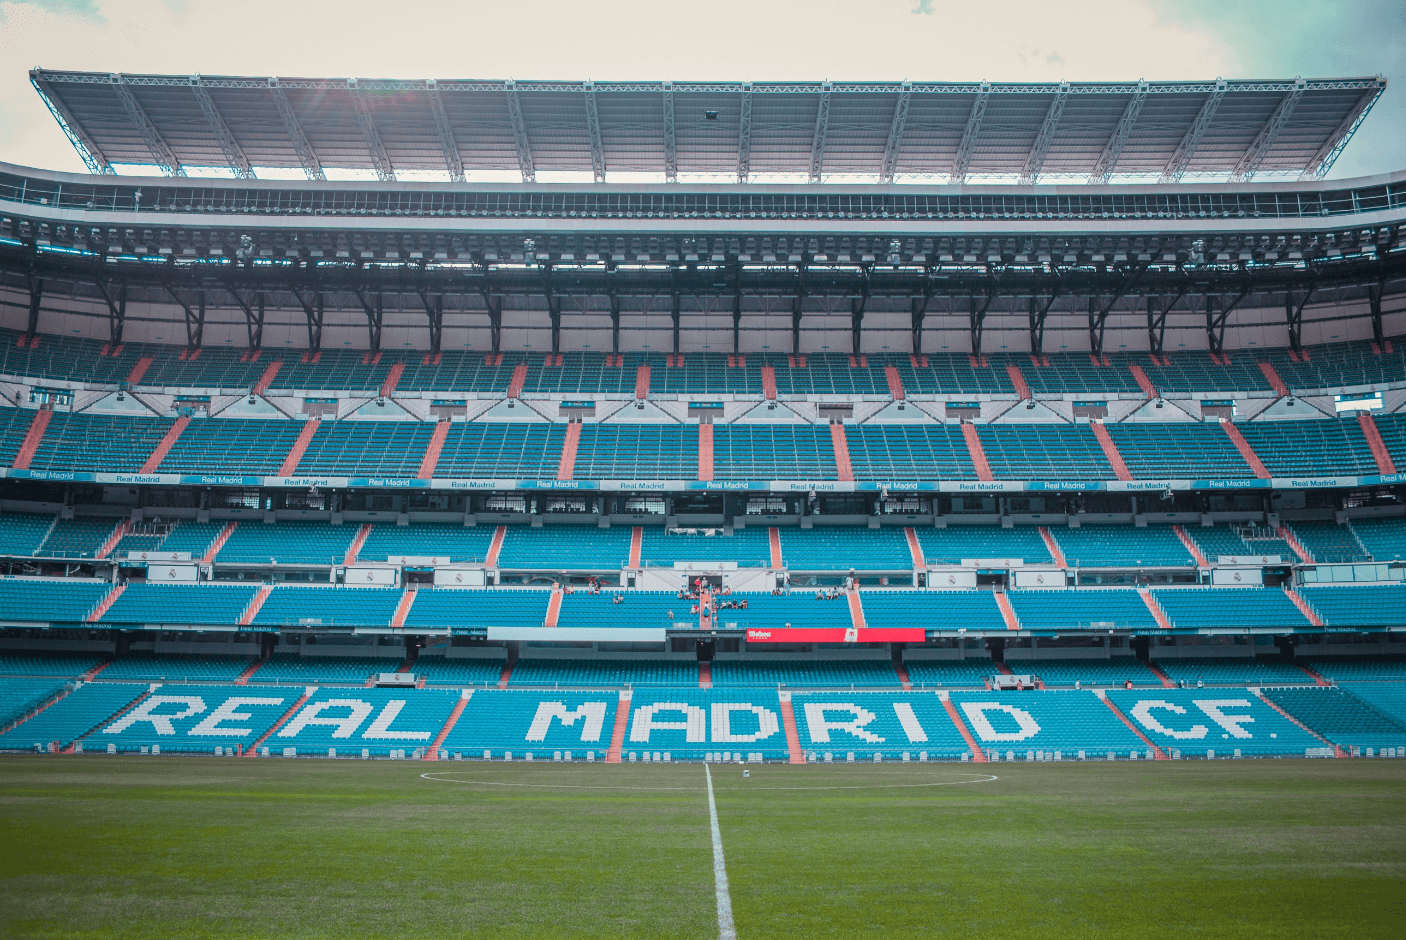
x=866, y=512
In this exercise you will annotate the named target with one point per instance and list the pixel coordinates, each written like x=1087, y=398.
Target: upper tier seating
x=637, y=609
x=80, y=537
x=375, y=721
x=637, y=452
x=1178, y=451
x=380, y=448
x=565, y=547
x=536, y=723
x=439, y=670
x=932, y=610
x=1075, y=372
x=1356, y=668
x=133, y=542
x=1087, y=672
x=329, y=606
x=685, y=723
x=1328, y=542
x=1086, y=608
x=775, y=612
x=340, y=369
x=180, y=604
x=64, y=357
x=495, y=451
x=162, y=667
x=604, y=673
x=816, y=673
x=869, y=723
x=460, y=543
x=832, y=548
x=459, y=370
x=254, y=447
x=949, y=372
x=50, y=599
x=953, y=673
x=1122, y=546
x=20, y=694
x=116, y=444
x=14, y=425
x=193, y=537
x=194, y=719
x=1339, y=716
x=1043, y=452
x=308, y=543
x=1196, y=372
x=826, y=374
x=908, y=452
x=1226, y=670
x=45, y=664
x=72, y=716
x=700, y=372
x=21, y=533
x=1228, y=606
x=1384, y=539
x=773, y=452
x=950, y=545
x=463, y=609
x=1334, y=365
x=291, y=667
x=1389, y=698
x=1294, y=448
x=1358, y=605
x=1392, y=428
x=1194, y=722
x=1215, y=541
x=1011, y=725
x=750, y=548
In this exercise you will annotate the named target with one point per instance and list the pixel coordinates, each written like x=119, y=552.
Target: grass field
x=211, y=847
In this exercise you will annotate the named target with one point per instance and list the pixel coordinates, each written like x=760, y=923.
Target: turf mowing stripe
x=726, y=930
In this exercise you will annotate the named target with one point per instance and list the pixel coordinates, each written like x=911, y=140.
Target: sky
x=604, y=40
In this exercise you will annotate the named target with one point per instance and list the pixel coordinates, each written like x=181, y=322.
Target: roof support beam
x=856, y=317
x=1041, y=148
x=253, y=322
x=797, y=302
x=452, y=161
x=978, y=319
x=1180, y=159
x=1216, y=320
x=524, y=147
x=313, y=311
x=744, y=135
x=312, y=165
x=968, y=145
x=36, y=297
x=93, y=157
x=1157, y=320
x=1293, y=314
x=1113, y=149
x=614, y=322
x=1269, y=133
x=161, y=153
x=675, y=315
x=380, y=160
x=916, y=317
x=494, y=306
x=195, y=322
x=1374, y=299
x=234, y=154
x=1098, y=315
x=116, y=309
x=374, y=317
x=822, y=125
x=593, y=128
x=1038, y=313
x=895, y=141
x=553, y=308
x=435, y=313
x=1327, y=155
x=671, y=161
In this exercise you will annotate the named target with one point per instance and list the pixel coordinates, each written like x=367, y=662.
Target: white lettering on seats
x=976, y=714
x=345, y=724
x=1142, y=711
x=592, y=712
x=909, y=721
x=229, y=711
x=1231, y=723
x=819, y=727
x=194, y=705
x=380, y=729
x=767, y=723
x=694, y=724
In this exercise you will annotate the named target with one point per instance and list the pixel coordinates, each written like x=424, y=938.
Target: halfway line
x=726, y=929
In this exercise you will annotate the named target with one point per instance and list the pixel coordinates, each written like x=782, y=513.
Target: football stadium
x=353, y=532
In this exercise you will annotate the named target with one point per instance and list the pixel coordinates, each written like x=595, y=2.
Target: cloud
x=924, y=6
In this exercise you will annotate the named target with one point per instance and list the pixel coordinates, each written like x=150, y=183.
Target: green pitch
x=210, y=847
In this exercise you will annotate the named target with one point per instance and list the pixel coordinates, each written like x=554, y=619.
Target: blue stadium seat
x=365, y=722
x=193, y=719
x=869, y=724
x=1018, y=726
x=1194, y=722
x=539, y=724
x=71, y=717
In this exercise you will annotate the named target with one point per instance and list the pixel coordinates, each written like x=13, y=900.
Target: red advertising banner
x=862, y=635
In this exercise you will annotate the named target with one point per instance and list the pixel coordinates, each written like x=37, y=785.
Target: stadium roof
x=1093, y=131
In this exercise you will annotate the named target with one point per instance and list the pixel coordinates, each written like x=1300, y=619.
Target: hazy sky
x=921, y=40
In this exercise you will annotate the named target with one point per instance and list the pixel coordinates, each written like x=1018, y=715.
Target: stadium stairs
x=1337, y=751
x=617, y=734
x=1157, y=752
x=432, y=751
x=795, y=754
x=978, y=755
x=78, y=739
x=283, y=719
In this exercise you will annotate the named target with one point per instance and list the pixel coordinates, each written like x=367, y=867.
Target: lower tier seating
x=20, y=694
x=1087, y=672
x=693, y=724
x=821, y=673
x=1340, y=717
x=365, y=722
x=1389, y=698
x=440, y=670
x=71, y=717
x=193, y=719
x=866, y=725
x=1352, y=668
x=1194, y=722
x=1228, y=670
x=949, y=672
x=534, y=725
x=1012, y=725
x=290, y=667
x=604, y=673
x=70, y=665
x=166, y=667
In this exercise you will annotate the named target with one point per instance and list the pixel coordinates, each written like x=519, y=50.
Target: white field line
x=726, y=929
